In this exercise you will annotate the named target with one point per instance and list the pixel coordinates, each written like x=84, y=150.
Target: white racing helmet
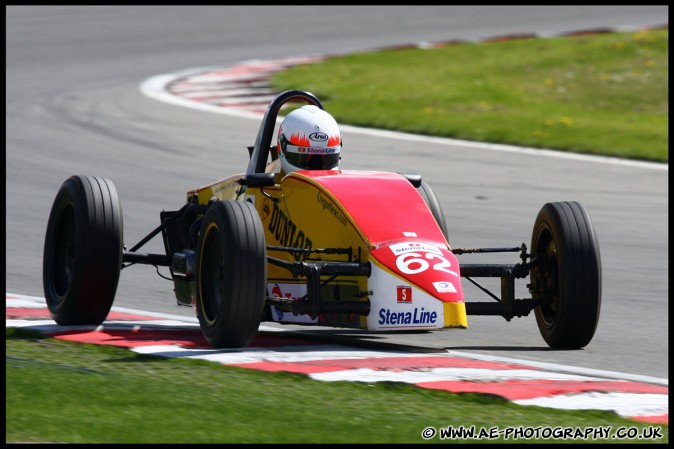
x=309, y=139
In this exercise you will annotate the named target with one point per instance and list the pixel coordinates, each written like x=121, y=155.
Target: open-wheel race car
x=339, y=248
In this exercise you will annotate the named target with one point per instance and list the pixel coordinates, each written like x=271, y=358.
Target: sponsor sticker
x=326, y=204
x=318, y=137
x=284, y=230
x=312, y=150
x=415, y=317
x=402, y=248
x=444, y=287
x=404, y=294
x=289, y=291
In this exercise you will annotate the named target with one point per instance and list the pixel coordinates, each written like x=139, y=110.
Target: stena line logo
x=407, y=247
x=417, y=317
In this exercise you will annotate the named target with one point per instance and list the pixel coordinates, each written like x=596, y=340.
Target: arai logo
x=318, y=137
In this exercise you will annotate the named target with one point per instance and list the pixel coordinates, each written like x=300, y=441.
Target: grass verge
x=63, y=392
x=604, y=94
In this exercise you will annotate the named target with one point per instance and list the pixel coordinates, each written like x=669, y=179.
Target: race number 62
x=413, y=263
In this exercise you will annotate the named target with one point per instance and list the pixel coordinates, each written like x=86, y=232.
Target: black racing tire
x=83, y=251
x=434, y=205
x=569, y=281
x=231, y=274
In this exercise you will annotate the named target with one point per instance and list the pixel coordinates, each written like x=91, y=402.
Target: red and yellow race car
x=317, y=247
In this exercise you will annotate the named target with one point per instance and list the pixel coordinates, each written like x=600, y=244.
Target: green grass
x=603, y=94
x=62, y=392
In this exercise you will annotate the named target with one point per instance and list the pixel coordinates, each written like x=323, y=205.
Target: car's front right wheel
x=83, y=251
x=433, y=204
x=566, y=283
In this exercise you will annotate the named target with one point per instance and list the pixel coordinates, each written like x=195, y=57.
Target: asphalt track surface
x=74, y=106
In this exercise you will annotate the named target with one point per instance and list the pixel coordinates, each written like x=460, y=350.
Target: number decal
x=413, y=263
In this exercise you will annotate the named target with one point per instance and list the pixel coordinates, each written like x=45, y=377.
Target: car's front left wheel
x=231, y=274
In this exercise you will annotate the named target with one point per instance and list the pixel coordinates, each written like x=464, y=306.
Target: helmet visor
x=309, y=158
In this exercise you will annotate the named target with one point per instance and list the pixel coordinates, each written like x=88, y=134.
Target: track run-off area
x=523, y=382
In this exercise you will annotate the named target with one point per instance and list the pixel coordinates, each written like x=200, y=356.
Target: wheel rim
x=213, y=282
x=546, y=282
x=64, y=260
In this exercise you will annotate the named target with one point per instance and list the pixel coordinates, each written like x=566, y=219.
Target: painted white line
x=179, y=318
x=624, y=404
x=43, y=325
x=112, y=325
x=445, y=374
x=169, y=316
x=282, y=354
x=569, y=369
x=25, y=303
x=11, y=298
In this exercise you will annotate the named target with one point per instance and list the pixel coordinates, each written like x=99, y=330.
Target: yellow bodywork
x=295, y=213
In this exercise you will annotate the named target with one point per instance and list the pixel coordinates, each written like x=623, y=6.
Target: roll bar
x=260, y=153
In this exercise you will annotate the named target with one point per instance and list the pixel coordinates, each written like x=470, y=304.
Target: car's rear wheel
x=83, y=251
x=433, y=204
x=567, y=284
x=231, y=274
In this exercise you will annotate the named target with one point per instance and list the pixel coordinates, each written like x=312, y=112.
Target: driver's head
x=309, y=139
